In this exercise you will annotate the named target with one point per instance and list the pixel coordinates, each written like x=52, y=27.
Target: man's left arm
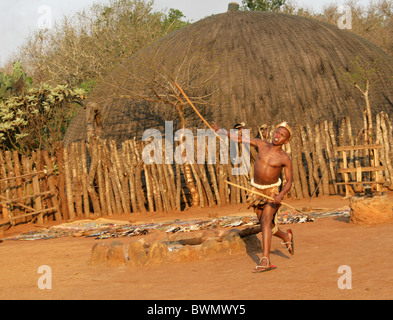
x=289, y=181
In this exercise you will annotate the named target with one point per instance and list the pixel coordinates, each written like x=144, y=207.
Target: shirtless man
x=271, y=160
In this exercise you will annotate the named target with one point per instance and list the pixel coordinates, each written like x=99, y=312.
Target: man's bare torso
x=269, y=163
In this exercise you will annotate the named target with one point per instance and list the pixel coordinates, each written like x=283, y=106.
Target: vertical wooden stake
x=61, y=183
x=68, y=183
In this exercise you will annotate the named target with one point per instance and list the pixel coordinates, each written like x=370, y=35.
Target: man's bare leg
x=265, y=218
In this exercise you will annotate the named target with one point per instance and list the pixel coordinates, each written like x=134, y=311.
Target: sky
x=19, y=18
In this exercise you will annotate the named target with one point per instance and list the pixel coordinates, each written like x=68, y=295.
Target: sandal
x=268, y=267
x=290, y=244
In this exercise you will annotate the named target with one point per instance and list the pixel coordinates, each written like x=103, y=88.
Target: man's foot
x=263, y=267
x=290, y=243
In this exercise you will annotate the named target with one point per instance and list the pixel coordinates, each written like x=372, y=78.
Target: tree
x=37, y=119
x=150, y=84
x=373, y=21
x=363, y=76
x=263, y=5
x=15, y=84
x=84, y=47
x=174, y=20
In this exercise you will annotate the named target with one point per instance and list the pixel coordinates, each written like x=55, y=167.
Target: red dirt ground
x=312, y=273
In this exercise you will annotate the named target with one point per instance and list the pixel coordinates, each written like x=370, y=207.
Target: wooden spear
x=195, y=109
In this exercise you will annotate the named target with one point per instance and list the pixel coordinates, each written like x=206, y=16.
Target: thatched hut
x=255, y=67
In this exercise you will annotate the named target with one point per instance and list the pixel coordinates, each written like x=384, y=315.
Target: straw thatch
x=256, y=67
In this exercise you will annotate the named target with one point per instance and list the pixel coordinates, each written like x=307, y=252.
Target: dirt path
x=321, y=248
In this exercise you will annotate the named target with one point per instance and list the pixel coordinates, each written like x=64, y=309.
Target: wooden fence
x=101, y=179
x=28, y=188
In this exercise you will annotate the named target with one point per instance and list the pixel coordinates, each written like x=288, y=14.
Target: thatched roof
x=256, y=67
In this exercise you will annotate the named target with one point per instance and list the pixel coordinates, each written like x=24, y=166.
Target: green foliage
x=14, y=84
x=362, y=75
x=88, y=86
x=174, y=20
x=37, y=119
x=263, y=5
x=86, y=46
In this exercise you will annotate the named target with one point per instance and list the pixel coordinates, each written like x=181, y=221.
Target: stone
x=158, y=252
x=149, y=239
x=116, y=244
x=248, y=231
x=116, y=257
x=231, y=233
x=371, y=210
x=234, y=243
x=211, y=247
x=137, y=255
x=190, y=238
x=212, y=234
x=99, y=254
x=186, y=254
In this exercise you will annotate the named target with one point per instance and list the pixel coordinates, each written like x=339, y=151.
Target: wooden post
x=86, y=202
x=330, y=155
x=138, y=170
x=386, y=146
x=213, y=180
x=206, y=185
x=109, y=197
x=4, y=186
x=61, y=183
x=52, y=185
x=68, y=182
x=315, y=162
x=295, y=171
x=76, y=178
x=170, y=183
x=28, y=185
x=321, y=160
x=156, y=190
x=307, y=154
x=37, y=200
x=223, y=186
x=124, y=179
x=117, y=175
x=129, y=166
x=46, y=200
x=17, y=168
x=199, y=185
x=179, y=188
x=113, y=175
x=149, y=189
x=163, y=188
x=335, y=154
x=346, y=178
x=12, y=182
x=302, y=170
x=93, y=151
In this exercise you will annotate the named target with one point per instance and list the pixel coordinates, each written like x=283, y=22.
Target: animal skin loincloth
x=258, y=202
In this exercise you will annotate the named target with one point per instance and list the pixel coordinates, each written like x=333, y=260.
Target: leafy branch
x=38, y=118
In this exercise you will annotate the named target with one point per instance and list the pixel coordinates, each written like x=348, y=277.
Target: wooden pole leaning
x=195, y=109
